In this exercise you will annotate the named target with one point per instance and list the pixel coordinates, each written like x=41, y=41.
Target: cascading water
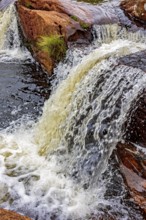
x=55, y=169
x=10, y=43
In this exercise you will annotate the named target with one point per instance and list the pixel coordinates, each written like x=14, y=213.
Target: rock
x=10, y=215
x=36, y=23
x=135, y=9
x=132, y=153
x=71, y=20
x=133, y=168
x=136, y=125
x=87, y=13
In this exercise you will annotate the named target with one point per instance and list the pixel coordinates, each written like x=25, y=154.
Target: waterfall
x=55, y=168
x=11, y=48
x=56, y=110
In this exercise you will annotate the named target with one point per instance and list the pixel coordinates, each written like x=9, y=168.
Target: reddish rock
x=135, y=9
x=87, y=13
x=69, y=19
x=133, y=168
x=132, y=153
x=10, y=215
x=36, y=23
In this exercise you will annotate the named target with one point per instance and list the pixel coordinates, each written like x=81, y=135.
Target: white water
x=102, y=34
x=11, y=49
x=79, y=128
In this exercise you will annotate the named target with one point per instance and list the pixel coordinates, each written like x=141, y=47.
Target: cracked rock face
x=136, y=9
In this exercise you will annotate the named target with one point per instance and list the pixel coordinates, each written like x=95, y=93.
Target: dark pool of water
x=24, y=88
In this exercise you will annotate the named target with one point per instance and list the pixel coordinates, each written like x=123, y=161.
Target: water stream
x=58, y=167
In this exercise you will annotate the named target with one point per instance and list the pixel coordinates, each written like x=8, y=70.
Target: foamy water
x=11, y=49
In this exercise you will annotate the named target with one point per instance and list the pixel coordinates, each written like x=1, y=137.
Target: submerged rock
x=10, y=215
x=135, y=9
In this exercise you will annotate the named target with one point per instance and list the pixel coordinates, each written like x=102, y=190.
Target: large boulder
x=37, y=23
x=10, y=215
x=70, y=20
x=136, y=9
x=87, y=13
x=132, y=153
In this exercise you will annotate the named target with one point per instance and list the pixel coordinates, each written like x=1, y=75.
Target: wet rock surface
x=133, y=167
x=137, y=60
x=132, y=153
x=10, y=215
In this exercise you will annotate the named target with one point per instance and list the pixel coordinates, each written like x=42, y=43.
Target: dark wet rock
x=136, y=125
x=10, y=215
x=132, y=153
x=137, y=60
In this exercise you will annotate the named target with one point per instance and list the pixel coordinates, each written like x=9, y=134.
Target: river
x=56, y=162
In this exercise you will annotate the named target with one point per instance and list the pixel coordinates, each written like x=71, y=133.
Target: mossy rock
x=54, y=45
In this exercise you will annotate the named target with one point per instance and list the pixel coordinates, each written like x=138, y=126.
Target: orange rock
x=10, y=215
x=66, y=18
x=87, y=13
x=36, y=23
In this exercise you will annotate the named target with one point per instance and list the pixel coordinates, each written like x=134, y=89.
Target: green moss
x=74, y=18
x=54, y=45
x=82, y=24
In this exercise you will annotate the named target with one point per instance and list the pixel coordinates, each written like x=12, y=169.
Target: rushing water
x=58, y=167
